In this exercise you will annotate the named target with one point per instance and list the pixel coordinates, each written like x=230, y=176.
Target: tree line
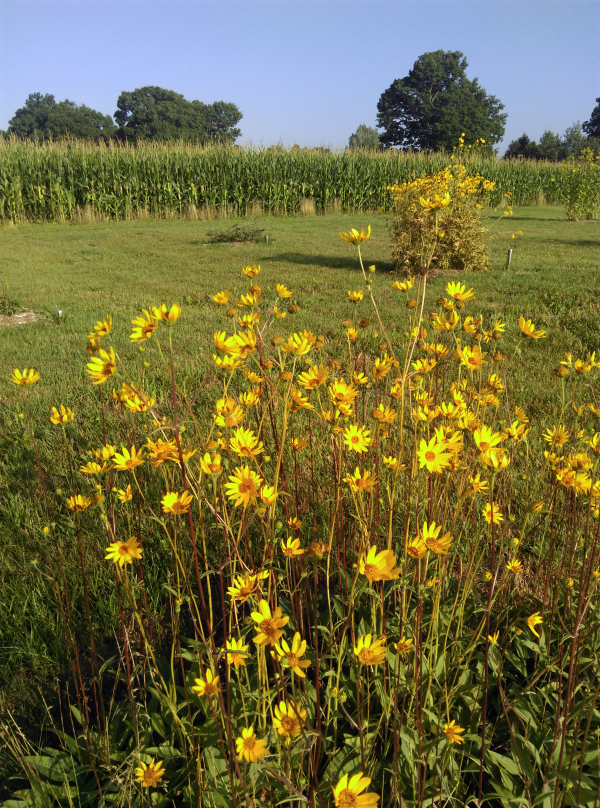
x=148, y=113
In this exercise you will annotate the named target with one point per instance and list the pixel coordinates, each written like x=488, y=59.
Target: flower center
x=210, y=689
x=245, y=487
x=484, y=446
x=370, y=571
x=430, y=456
x=124, y=550
x=249, y=743
x=288, y=724
x=367, y=657
x=355, y=439
x=292, y=660
x=346, y=799
x=268, y=627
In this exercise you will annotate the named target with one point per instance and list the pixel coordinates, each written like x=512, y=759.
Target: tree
x=592, y=127
x=365, y=137
x=43, y=118
x=551, y=147
x=31, y=119
x=522, y=147
x=574, y=140
x=221, y=119
x=153, y=113
x=431, y=107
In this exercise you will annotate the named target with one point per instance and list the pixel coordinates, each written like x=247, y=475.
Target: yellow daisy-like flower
x=357, y=438
x=25, y=378
x=283, y=291
x=209, y=686
x=472, y=357
x=437, y=201
x=453, y=732
x=534, y=620
x=313, y=377
x=176, y=503
x=268, y=495
x=125, y=495
x=347, y=793
x=458, y=291
x=288, y=719
x=291, y=548
x=79, y=502
x=244, y=486
x=528, y=328
x=299, y=344
x=65, y=416
x=250, y=398
x=161, y=451
x=378, y=566
x=404, y=645
x=492, y=513
x=222, y=298
x=101, y=329
x=106, y=452
x=145, y=326
x=251, y=271
x=433, y=456
x=496, y=458
x=515, y=566
x=126, y=460
x=123, y=552
x=245, y=443
x=361, y=482
x=556, y=436
x=163, y=313
x=486, y=439
x=403, y=286
x=416, y=548
x=430, y=536
x=370, y=651
x=244, y=586
x=292, y=657
x=356, y=297
x=103, y=366
x=94, y=468
x=236, y=652
x=268, y=625
x=211, y=465
x=150, y=775
x=354, y=237
x=249, y=747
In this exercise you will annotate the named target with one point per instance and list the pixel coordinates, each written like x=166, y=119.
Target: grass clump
x=237, y=234
x=376, y=568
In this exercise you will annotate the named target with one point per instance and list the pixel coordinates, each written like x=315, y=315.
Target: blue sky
x=302, y=71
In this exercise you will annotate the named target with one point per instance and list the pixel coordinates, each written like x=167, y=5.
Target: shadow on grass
x=329, y=261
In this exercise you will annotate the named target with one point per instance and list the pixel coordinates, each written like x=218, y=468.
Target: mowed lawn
x=90, y=271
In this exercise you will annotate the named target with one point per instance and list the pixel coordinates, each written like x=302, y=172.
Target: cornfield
x=81, y=181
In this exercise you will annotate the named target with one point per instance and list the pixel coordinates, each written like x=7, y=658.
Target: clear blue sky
x=302, y=71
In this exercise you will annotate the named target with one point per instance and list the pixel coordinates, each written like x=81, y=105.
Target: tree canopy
x=592, y=127
x=43, y=118
x=365, y=137
x=436, y=103
x=153, y=113
x=552, y=146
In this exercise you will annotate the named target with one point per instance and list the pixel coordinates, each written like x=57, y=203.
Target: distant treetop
x=436, y=103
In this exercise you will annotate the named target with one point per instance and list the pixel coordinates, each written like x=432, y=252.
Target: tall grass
x=79, y=181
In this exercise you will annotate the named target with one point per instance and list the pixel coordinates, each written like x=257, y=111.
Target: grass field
x=88, y=272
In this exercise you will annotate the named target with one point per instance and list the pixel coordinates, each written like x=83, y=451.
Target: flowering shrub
x=580, y=186
x=452, y=239
x=383, y=574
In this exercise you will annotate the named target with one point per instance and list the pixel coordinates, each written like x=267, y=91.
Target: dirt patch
x=23, y=318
